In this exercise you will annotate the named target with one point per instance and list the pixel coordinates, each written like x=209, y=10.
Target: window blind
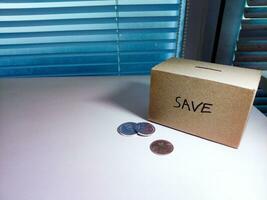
x=251, y=51
x=99, y=37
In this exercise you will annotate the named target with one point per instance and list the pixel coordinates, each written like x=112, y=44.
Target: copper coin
x=161, y=147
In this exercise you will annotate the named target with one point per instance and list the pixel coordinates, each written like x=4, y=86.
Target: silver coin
x=127, y=129
x=144, y=129
x=161, y=147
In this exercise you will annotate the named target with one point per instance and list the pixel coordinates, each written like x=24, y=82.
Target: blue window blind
x=251, y=51
x=101, y=37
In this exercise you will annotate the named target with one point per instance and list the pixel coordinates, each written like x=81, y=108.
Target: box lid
x=236, y=76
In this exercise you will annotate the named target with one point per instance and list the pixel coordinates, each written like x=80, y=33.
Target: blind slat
x=83, y=47
x=58, y=22
x=66, y=39
x=79, y=27
x=62, y=70
x=141, y=67
x=146, y=7
x=63, y=10
x=56, y=4
x=141, y=2
x=255, y=24
x=252, y=45
x=260, y=101
x=37, y=17
x=255, y=12
x=92, y=65
x=145, y=57
x=253, y=65
x=147, y=45
x=90, y=33
x=162, y=13
x=251, y=56
x=257, y=2
x=262, y=108
x=253, y=34
x=147, y=36
x=88, y=21
x=58, y=59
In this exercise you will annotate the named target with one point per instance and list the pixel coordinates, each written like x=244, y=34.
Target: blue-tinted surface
x=67, y=37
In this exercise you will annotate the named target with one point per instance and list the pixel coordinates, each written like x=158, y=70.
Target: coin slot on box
x=217, y=70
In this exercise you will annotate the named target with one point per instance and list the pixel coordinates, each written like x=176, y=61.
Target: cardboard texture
x=208, y=100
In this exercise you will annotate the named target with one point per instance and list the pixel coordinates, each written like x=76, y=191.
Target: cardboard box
x=208, y=100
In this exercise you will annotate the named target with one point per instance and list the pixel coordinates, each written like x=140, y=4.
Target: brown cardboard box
x=208, y=100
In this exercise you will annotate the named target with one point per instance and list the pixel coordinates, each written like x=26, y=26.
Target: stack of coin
x=130, y=128
x=144, y=129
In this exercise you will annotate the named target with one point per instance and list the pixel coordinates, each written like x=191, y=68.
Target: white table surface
x=58, y=141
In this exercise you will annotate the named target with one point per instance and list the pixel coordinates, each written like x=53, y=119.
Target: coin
x=144, y=129
x=161, y=147
x=127, y=129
